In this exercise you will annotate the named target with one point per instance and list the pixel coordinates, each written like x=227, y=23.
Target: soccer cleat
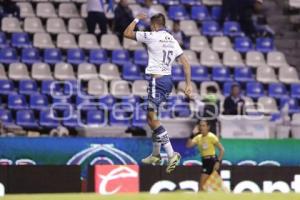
x=152, y=160
x=173, y=162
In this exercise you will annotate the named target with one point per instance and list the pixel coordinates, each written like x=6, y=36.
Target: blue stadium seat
x=199, y=13
x=30, y=55
x=62, y=103
x=177, y=73
x=175, y=100
x=216, y=12
x=98, y=56
x=3, y=41
x=211, y=28
x=85, y=103
x=75, y=56
x=243, y=74
x=139, y=117
x=107, y=101
x=254, y=89
x=189, y=2
x=182, y=110
x=199, y=73
x=120, y=56
x=221, y=74
x=131, y=72
x=165, y=114
x=295, y=90
x=232, y=29
x=169, y=2
x=6, y=87
x=277, y=90
x=119, y=118
x=48, y=119
x=6, y=117
x=17, y=102
x=20, y=40
x=242, y=44
x=293, y=104
x=177, y=12
x=72, y=87
x=26, y=119
x=72, y=119
x=8, y=55
x=142, y=25
x=52, y=56
x=131, y=102
x=27, y=87
x=141, y=57
x=38, y=102
x=46, y=88
x=264, y=45
x=227, y=87
x=96, y=118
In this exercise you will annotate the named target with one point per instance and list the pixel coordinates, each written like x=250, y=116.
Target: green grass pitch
x=162, y=196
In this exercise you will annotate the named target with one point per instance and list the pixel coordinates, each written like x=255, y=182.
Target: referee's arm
x=221, y=151
x=190, y=143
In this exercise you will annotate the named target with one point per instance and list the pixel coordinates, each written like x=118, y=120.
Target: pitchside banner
x=112, y=179
x=91, y=151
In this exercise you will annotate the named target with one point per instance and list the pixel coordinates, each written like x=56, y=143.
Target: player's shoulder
x=198, y=137
x=212, y=135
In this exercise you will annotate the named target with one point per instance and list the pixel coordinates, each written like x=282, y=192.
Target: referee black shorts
x=208, y=165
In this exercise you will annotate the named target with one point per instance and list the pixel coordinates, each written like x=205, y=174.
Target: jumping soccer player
x=163, y=49
x=206, y=142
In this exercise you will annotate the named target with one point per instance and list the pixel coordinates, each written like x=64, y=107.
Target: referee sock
x=161, y=137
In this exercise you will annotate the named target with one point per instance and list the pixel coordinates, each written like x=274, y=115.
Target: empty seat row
x=73, y=56
x=68, y=41
x=47, y=10
x=222, y=44
x=62, y=71
x=93, y=118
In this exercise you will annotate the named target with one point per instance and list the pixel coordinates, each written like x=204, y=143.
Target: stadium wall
x=91, y=151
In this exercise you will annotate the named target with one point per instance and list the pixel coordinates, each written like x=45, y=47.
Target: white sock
x=169, y=149
x=156, y=149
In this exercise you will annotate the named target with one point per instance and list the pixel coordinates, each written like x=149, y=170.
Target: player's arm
x=190, y=143
x=129, y=31
x=221, y=150
x=220, y=156
x=187, y=71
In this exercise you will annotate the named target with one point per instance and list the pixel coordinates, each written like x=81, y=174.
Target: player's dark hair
x=159, y=19
x=205, y=121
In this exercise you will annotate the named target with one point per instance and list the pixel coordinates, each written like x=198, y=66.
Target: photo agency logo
x=88, y=104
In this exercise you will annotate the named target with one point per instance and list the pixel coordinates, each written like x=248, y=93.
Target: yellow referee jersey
x=206, y=144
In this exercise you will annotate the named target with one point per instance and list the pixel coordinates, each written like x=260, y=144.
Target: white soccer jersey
x=162, y=48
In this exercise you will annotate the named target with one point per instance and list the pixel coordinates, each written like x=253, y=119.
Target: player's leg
x=161, y=138
x=157, y=92
x=163, y=88
x=154, y=124
x=203, y=179
x=91, y=22
x=154, y=158
x=207, y=170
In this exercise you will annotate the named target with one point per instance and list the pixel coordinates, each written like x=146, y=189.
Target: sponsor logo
x=116, y=179
x=101, y=154
x=266, y=186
